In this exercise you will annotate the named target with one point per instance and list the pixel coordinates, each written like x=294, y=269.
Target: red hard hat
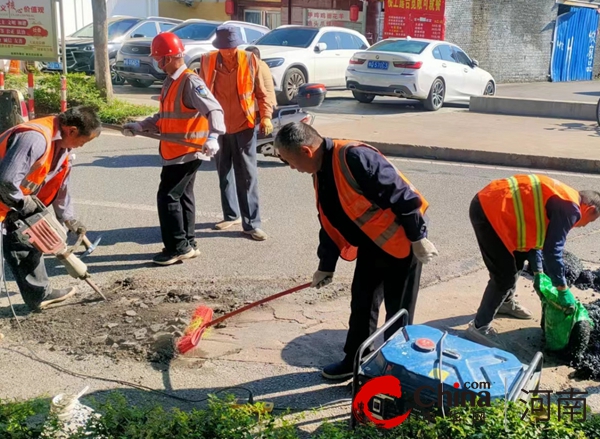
x=166, y=44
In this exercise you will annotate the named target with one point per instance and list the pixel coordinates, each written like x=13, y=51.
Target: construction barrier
x=63, y=93
x=31, y=98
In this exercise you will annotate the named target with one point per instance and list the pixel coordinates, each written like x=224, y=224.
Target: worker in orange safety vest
x=188, y=112
x=35, y=161
x=523, y=217
x=369, y=212
x=233, y=75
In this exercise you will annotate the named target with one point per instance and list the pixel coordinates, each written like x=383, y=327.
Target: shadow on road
x=381, y=106
x=154, y=161
x=588, y=93
x=262, y=390
x=316, y=349
x=590, y=127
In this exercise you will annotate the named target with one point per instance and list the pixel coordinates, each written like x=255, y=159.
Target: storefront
x=266, y=13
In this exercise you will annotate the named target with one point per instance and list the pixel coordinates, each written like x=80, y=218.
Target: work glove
x=210, y=147
x=266, y=126
x=321, y=278
x=424, y=250
x=130, y=128
x=29, y=207
x=76, y=227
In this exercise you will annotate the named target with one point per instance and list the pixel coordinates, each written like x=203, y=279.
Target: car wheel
x=490, y=89
x=114, y=75
x=363, y=97
x=435, y=100
x=292, y=81
x=140, y=83
x=598, y=112
x=195, y=66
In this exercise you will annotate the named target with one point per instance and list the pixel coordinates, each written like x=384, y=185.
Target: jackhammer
x=44, y=232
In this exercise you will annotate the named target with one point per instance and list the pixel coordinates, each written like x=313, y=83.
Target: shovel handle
x=114, y=127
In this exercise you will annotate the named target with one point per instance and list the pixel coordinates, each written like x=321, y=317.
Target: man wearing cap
x=234, y=77
x=188, y=112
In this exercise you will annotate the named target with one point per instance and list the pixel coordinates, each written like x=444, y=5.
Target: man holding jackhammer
x=524, y=217
x=233, y=75
x=188, y=112
x=34, y=161
x=369, y=212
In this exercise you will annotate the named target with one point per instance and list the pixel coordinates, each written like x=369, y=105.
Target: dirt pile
x=142, y=317
x=587, y=363
x=576, y=274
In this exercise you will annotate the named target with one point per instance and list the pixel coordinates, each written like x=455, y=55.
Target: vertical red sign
x=414, y=18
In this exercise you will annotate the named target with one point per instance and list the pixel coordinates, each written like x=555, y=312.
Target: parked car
x=136, y=65
x=430, y=71
x=80, y=45
x=300, y=54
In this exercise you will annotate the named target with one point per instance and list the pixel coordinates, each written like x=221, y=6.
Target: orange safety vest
x=246, y=72
x=378, y=224
x=35, y=182
x=516, y=208
x=180, y=122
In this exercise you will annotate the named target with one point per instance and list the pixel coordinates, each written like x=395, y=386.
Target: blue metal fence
x=574, y=45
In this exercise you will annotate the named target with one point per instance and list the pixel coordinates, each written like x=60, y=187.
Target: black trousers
x=504, y=266
x=177, y=206
x=380, y=277
x=27, y=266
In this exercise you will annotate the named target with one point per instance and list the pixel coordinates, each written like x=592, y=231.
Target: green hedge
x=81, y=90
x=220, y=420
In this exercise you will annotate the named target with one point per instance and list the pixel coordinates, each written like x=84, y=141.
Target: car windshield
x=400, y=46
x=288, y=37
x=195, y=31
x=115, y=29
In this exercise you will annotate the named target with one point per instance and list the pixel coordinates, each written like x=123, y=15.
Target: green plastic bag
x=561, y=312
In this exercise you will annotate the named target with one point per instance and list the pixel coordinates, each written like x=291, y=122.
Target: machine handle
x=368, y=341
x=535, y=366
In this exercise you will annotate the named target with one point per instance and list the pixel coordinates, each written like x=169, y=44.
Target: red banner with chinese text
x=415, y=18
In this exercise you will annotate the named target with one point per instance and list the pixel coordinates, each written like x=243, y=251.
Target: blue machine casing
x=464, y=362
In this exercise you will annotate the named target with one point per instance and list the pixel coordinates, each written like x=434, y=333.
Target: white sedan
x=430, y=71
x=300, y=54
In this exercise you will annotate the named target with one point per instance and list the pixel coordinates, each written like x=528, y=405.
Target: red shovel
x=202, y=319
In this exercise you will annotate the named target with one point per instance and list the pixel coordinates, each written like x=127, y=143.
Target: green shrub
x=81, y=90
x=118, y=111
x=221, y=420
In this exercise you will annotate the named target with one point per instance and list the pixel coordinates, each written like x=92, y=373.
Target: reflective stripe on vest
x=35, y=179
x=516, y=208
x=179, y=122
x=246, y=73
x=378, y=224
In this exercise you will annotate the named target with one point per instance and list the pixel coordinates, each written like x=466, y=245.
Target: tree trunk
x=102, y=65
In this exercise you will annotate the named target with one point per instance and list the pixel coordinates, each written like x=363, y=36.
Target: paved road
x=115, y=181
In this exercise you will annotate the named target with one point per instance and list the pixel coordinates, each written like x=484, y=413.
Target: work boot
x=342, y=370
x=57, y=296
x=257, y=234
x=169, y=258
x=486, y=335
x=515, y=309
x=223, y=225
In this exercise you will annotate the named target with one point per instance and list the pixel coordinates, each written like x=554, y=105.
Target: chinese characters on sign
x=28, y=30
x=324, y=17
x=571, y=404
x=414, y=18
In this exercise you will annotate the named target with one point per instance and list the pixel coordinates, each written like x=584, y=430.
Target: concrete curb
x=533, y=107
x=488, y=157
